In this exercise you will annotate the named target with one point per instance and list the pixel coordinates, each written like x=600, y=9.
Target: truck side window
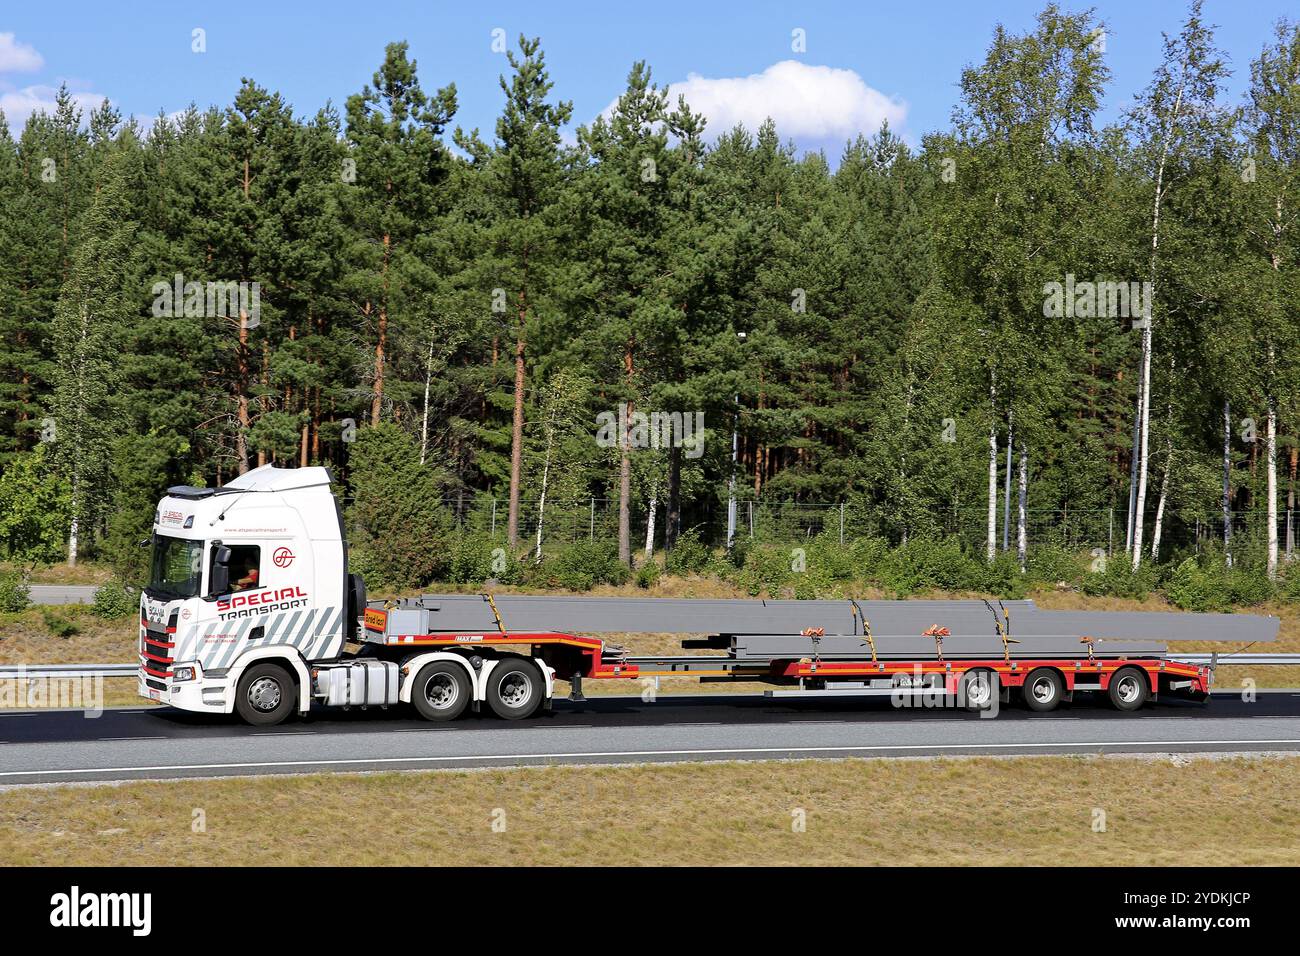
x=245, y=567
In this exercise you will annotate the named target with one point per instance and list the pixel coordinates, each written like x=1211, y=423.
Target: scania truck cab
x=250, y=572
x=250, y=607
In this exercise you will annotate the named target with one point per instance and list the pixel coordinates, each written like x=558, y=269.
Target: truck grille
x=158, y=654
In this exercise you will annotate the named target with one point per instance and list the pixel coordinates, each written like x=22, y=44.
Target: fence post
x=591, y=529
x=841, y=524
x=1110, y=533
x=494, y=517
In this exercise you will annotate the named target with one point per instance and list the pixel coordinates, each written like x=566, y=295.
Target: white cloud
x=18, y=57
x=805, y=102
x=20, y=104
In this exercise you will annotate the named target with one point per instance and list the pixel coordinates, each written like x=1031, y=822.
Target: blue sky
x=863, y=61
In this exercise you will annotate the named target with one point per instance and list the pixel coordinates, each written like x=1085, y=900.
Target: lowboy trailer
x=250, y=609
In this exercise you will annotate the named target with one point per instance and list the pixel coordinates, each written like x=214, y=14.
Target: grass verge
x=950, y=812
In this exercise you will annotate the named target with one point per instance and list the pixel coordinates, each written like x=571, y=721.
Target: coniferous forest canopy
x=1032, y=334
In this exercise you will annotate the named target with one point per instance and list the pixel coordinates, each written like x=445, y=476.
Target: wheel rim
x=1128, y=689
x=264, y=694
x=1044, y=690
x=515, y=689
x=441, y=691
x=978, y=691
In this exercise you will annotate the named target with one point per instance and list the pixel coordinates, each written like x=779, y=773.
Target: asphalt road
x=62, y=594
x=63, y=746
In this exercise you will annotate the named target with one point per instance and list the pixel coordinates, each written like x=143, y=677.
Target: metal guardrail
x=1234, y=659
x=20, y=671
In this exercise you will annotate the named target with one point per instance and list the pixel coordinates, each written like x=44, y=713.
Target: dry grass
x=25, y=639
x=998, y=812
x=63, y=573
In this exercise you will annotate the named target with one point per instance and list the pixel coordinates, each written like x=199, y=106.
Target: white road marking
x=636, y=753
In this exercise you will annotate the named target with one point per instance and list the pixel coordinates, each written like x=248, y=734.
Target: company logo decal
x=282, y=557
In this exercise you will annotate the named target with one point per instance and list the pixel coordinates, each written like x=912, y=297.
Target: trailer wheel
x=266, y=695
x=515, y=689
x=1043, y=689
x=978, y=690
x=441, y=691
x=1128, y=689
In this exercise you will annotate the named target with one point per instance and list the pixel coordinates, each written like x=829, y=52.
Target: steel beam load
x=893, y=624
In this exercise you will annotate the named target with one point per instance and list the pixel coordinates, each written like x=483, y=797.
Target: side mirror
x=220, y=571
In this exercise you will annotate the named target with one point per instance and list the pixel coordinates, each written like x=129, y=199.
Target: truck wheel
x=1043, y=689
x=1128, y=689
x=978, y=690
x=441, y=691
x=515, y=689
x=266, y=695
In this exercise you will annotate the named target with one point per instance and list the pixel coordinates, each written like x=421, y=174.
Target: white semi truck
x=250, y=609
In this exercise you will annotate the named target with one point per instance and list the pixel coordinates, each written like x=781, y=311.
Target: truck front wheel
x=441, y=691
x=515, y=689
x=265, y=695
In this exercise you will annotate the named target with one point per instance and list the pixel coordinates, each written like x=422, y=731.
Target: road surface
x=62, y=593
x=127, y=744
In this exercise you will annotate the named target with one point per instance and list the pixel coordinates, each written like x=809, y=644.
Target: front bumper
x=204, y=694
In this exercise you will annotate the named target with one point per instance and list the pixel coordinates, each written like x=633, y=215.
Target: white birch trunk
x=650, y=525
x=1272, y=489
x=76, y=522
x=1022, y=511
x=424, y=422
x=992, y=539
x=1139, y=507
x=1227, y=483
x=1006, y=485
x=1160, y=507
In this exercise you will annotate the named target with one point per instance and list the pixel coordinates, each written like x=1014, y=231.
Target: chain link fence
x=1104, y=529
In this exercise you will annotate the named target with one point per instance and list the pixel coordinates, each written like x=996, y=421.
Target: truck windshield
x=177, y=567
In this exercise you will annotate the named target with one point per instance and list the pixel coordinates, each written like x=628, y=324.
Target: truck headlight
x=182, y=673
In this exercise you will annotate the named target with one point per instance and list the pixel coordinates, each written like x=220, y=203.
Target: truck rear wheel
x=441, y=691
x=1128, y=689
x=265, y=695
x=978, y=689
x=1043, y=689
x=515, y=689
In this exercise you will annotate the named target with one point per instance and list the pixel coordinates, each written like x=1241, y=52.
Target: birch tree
x=1177, y=113
x=94, y=306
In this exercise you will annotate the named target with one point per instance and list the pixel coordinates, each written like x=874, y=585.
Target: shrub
x=583, y=565
x=1192, y=588
x=1050, y=563
x=14, y=593
x=113, y=601
x=766, y=569
x=1248, y=586
x=929, y=563
x=473, y=558
x=648, y=575
x=58, y=624
x=1118, y=579
x=689, y=555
